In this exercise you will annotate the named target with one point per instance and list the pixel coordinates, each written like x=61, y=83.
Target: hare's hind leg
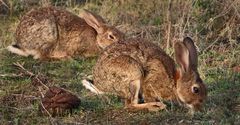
x=134, y=91
x=60, y=55
x=17, y=50
x=151, y=106
x=35, y=53
x=23, y=52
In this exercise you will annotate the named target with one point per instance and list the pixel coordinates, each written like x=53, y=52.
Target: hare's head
x=106, y=34
x=190, y=88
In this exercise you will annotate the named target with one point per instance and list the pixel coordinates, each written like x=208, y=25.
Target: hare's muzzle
x=195, y=108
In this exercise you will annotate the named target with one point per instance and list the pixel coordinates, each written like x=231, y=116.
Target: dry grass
x=213, y=25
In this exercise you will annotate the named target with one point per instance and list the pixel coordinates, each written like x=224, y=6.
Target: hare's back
x=39, y=14
x=138, y=49
x=156, y=66
x=41, y=28
x=57, y=16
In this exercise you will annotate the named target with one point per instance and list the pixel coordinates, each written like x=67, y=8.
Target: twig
x=42, y=95
x=30, y=73
x=26, y=96
x=11, y=75
x=21, y=67
x=169, y=24
x=236, y=11
x=213, y=43
x=50, y=116
x=19, y=109
x=4, y=3
x=188, y=17
x=45, y=109
x=9, y=107
x=39, y=89
x=42, y=83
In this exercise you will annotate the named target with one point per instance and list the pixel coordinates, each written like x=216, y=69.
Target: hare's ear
x=93, y=20
x=193, y=56
x=182, y=56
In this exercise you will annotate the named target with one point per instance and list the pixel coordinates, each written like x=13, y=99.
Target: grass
x=216, y=66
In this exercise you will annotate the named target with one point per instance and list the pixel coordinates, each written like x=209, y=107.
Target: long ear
x=182, y=56
x=193, y=56
x=93, y=20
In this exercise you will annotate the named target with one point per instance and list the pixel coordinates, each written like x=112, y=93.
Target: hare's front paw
x=150, y=106
x=155, y=106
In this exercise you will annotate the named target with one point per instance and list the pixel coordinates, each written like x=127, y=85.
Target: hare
x=54, y=33
x=135, y=68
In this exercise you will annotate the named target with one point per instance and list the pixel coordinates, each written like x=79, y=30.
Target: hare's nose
x=198, y=107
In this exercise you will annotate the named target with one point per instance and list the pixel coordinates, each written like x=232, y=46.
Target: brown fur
x=123, y=63
x=57, y=33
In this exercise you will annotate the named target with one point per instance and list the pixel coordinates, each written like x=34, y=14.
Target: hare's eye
x=111, y=36
x=195, y=89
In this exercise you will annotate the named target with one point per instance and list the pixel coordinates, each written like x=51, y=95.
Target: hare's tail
x=17, y=50
x=89, y=85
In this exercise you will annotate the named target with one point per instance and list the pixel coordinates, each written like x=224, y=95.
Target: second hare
x=136, y=69
x=54, y=33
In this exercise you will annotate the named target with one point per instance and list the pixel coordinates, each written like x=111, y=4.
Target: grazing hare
x=134, y=68
x=54, y=33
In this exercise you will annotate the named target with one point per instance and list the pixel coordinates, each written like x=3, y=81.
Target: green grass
x=223, y=91
x=215, y=66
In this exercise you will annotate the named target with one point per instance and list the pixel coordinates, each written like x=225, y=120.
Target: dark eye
x=195, y=90
x=111, y=37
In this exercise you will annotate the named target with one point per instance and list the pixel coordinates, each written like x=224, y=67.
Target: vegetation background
x=213, y=24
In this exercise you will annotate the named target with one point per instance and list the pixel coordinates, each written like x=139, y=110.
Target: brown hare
x=136, y=68
x=54, y=33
